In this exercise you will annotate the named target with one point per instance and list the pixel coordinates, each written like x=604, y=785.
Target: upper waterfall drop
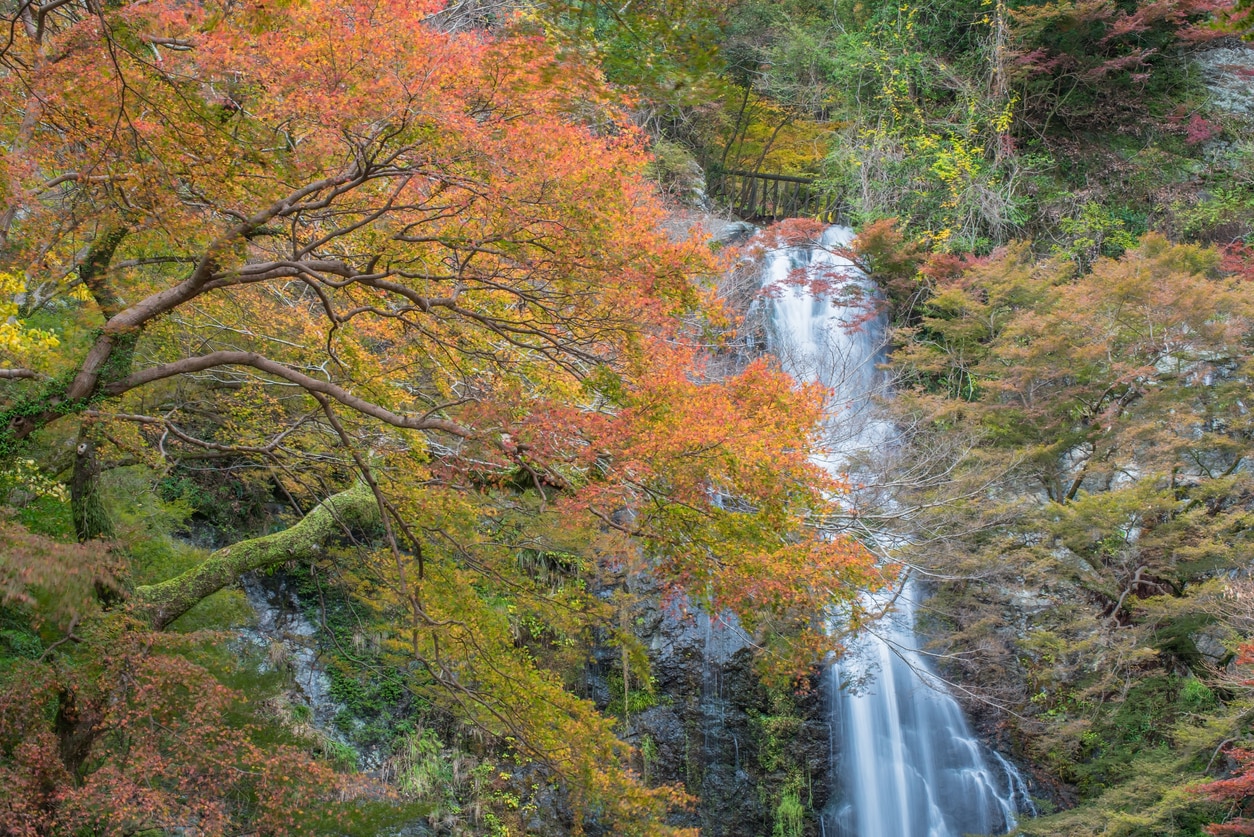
x=836, y=343
x=907, y=764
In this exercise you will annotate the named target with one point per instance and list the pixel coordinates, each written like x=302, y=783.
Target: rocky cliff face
x=1228, y=72
x=714, y=728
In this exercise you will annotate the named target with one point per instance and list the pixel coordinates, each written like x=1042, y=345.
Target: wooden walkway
x=757, y=196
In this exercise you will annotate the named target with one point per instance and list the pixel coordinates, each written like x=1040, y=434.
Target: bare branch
x=190, y=365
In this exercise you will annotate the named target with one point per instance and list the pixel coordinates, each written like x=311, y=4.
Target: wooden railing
x=757, y=196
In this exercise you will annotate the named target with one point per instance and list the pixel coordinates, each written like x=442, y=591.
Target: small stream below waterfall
x=286, y=635
x=906, y=761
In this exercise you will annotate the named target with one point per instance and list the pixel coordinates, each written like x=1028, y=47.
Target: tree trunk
x=91, y=521
x=160, y=604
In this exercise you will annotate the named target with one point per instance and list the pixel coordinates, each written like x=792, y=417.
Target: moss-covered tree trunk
x=91, y=520
x=160, y=604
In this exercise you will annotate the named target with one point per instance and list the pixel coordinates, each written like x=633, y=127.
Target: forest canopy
x=409, y=285
x=383, y=317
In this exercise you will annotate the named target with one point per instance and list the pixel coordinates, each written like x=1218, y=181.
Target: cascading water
x=906, y=762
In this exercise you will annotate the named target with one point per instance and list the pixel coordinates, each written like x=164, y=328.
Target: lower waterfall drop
x=906, y=762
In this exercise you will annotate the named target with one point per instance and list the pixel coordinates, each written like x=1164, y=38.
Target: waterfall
x=906, y=762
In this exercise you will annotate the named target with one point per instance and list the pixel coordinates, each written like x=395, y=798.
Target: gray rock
x=704, y=733
x=1228, y=72
x=19, y=498
x=1209, y=642
x=1073, y=561
x=734, y=232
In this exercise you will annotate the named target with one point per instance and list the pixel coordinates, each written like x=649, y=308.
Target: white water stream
x=906, y=762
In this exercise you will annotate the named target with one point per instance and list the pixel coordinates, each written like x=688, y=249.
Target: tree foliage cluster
x=1085, y=516
x=1079, y=125
x=1073, y=429
x=394, y=287
x=377, y=292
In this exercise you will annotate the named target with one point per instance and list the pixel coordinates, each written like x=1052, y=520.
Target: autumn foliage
x=1089, y=61
x=320, y=244
x=1236, y=789
x=143, y=740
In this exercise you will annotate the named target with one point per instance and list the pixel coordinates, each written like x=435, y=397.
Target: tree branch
x=228, y=358
x=160, y=604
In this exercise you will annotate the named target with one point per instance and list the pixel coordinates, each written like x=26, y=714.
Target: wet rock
x=706, y=733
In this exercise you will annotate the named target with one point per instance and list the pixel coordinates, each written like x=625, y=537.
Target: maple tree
x=1074, y=60
x=1114, y=396
x=1074, y=450
x=1236, y=789
x=1237, y=19
x=143, y=740
x=412, y=280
